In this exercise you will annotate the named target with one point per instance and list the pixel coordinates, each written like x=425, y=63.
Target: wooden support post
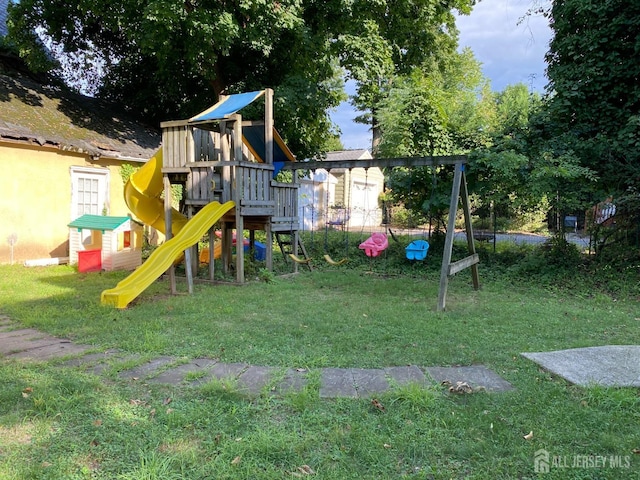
x=458, y=189
x=268, y=126
x=167, y=229
x=188, y=270
x=269, y=246
x=212, y=241
x=466, y=208
x=448, y=243
x=237, y=198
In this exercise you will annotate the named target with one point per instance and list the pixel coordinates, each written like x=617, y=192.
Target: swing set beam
x=459, y=194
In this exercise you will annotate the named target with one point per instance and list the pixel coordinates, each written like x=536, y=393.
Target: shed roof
x=37, y=114
x=360, y=154
x=98, y=222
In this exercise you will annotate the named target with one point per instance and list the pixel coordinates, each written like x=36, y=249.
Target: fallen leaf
x=169, y=410
x=97, y=423
x=152, y=412
x=236, y=460
x=27, y=390
x=167, y=401
x=529, y=435
x=386, y=445
x=377, y=404
x=461, y=388
x=636, y=451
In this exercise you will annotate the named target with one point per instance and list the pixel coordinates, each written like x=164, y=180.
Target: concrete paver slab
x=90, y=359
x=609, y=365
x=294, y=380
x=19, y=344
x=254, y=379
x=337, y=382
x=22, y=332
x=369, y=381
x=477, y=376
x=146, y=369
x=405, y=375
x=61, y=348
x=227, y=370
x=176, y=375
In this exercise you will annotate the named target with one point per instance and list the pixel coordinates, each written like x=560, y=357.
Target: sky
x=511, y=50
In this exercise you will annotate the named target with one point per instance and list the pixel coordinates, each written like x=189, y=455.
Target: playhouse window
x=124, y=240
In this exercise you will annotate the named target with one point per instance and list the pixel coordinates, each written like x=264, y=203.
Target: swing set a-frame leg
x=458, y=191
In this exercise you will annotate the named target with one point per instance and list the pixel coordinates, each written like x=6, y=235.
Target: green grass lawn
x=64, y=424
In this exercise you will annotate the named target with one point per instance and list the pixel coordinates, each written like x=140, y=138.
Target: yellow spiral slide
x=142, y=195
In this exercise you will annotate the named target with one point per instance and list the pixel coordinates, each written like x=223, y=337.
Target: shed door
x=89, y=191
x=364, y=203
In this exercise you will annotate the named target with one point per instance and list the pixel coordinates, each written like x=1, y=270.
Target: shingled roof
x=33, y=113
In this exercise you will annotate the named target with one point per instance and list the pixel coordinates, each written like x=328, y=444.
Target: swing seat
x=375, y=244
x=331, y=261
x=298, y=259
x=417, y=250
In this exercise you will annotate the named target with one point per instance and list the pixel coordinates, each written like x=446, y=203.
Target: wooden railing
x=253, y=188
x=285, y=196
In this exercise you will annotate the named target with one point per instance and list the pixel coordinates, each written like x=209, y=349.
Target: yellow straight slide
x=164, y=256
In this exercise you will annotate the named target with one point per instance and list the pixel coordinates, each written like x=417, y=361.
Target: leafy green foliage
x=164, y=59
x=593, y=72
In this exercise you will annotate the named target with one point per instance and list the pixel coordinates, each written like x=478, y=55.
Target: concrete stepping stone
x=223, y=371
x=402, y=376
x=176, y=375
x=146, y=369
x=98, y=362
x=294, y=380
x=606, y=365
x=19, y=343
x=337, y=382
x=90, y=359
x=369, y=381
x=61, y=348
x=254, y=379
x=477, y=376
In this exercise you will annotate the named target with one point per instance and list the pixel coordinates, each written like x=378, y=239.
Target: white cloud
x=510, y=45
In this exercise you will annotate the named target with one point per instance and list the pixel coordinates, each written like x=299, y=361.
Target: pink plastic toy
x=375, y=244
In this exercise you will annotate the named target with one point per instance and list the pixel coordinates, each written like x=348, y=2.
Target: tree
x=593, y=72
x=164, y=59
x=435, y=112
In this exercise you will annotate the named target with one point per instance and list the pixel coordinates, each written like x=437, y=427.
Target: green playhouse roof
x=98, y=222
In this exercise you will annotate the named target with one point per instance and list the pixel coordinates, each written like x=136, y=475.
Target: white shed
x=98, y=242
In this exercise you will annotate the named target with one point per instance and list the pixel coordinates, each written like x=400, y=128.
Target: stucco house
x=61, y=156
x=340, y=197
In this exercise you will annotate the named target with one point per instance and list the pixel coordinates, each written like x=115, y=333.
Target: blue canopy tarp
x=227, y=106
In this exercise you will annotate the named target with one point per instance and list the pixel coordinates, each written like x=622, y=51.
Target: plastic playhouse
x=98, y=242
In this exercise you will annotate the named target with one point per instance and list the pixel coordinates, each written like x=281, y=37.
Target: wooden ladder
x=285, y=242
